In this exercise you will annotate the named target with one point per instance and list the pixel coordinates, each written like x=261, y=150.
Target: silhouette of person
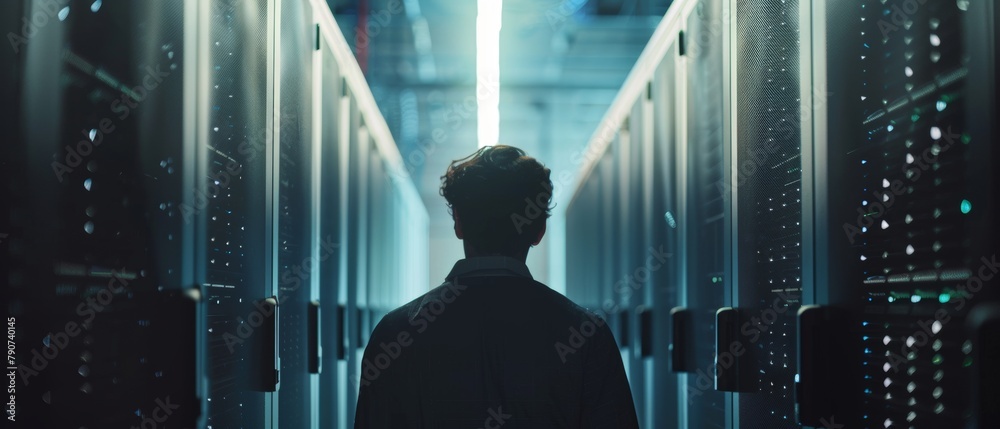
x=491, y=347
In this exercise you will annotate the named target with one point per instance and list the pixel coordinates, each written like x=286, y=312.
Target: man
x=491, y=347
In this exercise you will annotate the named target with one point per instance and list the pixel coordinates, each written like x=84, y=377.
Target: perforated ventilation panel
x=769, y=214
x=330, y=272
x=235, y=226
x=296, y=266
x=664, y=236
x=912, y=206
x=707, y=200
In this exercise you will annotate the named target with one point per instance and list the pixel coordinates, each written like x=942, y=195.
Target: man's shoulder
x=446, y=293
x=569, y=308
x=555, y=303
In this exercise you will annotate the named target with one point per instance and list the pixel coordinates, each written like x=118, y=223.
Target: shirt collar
x=489, y=266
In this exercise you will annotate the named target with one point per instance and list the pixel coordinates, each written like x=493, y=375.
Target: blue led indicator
x=966, y=206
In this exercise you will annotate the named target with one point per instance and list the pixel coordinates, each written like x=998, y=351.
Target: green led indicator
x=937, y=359
x=966, y=206
x=944, y=297
x=966, y=139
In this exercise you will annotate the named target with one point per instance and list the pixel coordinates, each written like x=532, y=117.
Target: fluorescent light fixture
x=488, y=71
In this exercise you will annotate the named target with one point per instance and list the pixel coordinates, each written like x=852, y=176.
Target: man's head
x=500, y=199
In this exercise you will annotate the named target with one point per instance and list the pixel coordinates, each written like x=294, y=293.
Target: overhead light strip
x=488, y=22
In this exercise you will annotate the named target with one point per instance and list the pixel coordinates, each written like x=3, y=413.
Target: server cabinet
x=634, y=273
x=608, y=226
x=590, y=236
x=296, y=262
x=332, y=295
x=642, y=251
x=625, y=287
x=357, y=270
x=905, y=253
x=583, y=244
x=376, y=229
x=101, y=318
x=706, y=213
x=378, y=221
x=235, y=261
x=768, y=213
x=663, y=239
x=168, y=213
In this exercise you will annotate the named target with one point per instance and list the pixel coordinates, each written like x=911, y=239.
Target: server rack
x=332, y=221
x=910, y=194
x=234, y=229
x=767, y=214
x=295, y=202
x=212, y=210
x=833, y=160
x=614, y=265
x=659, y=156
x=664, y=242
x=705, y=179
x=103, y=334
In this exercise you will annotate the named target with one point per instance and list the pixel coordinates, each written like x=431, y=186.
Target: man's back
x=493, y=348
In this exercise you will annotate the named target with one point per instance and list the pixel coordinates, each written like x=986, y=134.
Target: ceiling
x=561, y=64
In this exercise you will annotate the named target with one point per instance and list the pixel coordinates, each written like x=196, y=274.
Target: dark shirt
x=492, y=348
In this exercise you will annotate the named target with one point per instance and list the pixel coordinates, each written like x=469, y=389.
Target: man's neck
x=471, y=252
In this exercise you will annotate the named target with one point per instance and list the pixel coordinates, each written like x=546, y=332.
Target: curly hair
x=501, y=196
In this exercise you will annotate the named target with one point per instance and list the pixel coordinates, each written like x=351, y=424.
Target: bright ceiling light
x=488, y=71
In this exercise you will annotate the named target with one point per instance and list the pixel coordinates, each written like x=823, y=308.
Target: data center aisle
x=824, y=172
x=184, y=259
